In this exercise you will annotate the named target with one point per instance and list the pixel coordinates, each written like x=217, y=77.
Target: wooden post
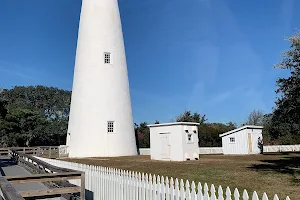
x=58, y=152
x=49, y=152
x=24, y=151
x=82, y=185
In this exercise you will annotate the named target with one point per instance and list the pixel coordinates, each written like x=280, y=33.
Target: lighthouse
x=100, y=122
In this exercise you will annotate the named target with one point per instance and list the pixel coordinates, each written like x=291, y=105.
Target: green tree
x=19, y=127
x=208, y=133
x=143, y=135
x=255, y=118
x=286, y=116
x=186, y=116
x=3, y=110
x=34, y=115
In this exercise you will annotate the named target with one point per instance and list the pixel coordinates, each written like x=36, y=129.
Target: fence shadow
x=5, y=162
x=286, y=165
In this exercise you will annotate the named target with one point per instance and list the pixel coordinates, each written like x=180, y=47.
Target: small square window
x=110, y=127
x=232, y=140
x=107, y=58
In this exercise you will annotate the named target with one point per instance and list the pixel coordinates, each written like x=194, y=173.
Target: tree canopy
x=283, y=125
x=255, y=118
x=33, y=116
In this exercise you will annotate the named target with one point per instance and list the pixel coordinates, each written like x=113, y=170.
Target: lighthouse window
x=110, y=127
x=107, y=58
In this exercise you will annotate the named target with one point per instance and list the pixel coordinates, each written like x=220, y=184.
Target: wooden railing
x=55, y=178
x=43, y=151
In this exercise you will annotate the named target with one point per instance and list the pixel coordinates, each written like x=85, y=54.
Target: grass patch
x=273, y=174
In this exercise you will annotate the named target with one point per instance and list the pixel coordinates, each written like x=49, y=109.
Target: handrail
x=48, y=151
x=21, y=157
x=35, y=147
x=45, y=173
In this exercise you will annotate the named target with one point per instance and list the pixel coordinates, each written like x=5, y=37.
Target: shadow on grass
x=289, y=164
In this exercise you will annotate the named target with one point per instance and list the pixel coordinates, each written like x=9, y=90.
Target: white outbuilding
x=174, y=141
x=244, y=140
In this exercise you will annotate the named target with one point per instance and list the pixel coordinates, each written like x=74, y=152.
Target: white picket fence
x=115, y=184
x=144, y=151
x=202, y=150
x=282, y=148
x=210, y=150
x=219, y=150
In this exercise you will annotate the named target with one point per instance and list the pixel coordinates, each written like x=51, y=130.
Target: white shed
x=244, y=140
x=174, y=141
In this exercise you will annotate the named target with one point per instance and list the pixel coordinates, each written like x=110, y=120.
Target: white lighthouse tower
x=100, y=121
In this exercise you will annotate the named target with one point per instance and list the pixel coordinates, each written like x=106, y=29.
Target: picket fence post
x=147, y=188
x=276, y=197
x=200, y=194
x=265, y=197
x=158, y=188
x=245, y=195
x=213, y=192
x=143, y=185
x=177, y=191
x=236, y=194
x=163, y=187
x=255, y=196
x=172, y=189
x=193, y=192
x=187, y=190
x=167, y=189
x=206, y=194
x=220, y=193
x=228, y=194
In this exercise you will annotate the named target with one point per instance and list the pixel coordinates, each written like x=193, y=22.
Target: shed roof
x=241, y=128
x=174, y=124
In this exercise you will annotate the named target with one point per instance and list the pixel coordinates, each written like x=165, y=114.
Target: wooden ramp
x=15, y=170
x=26, y=177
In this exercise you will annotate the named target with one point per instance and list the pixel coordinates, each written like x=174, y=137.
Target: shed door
x=165, y=146
x=250, y=142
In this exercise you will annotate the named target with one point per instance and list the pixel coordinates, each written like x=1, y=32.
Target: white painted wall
x=178, y=148
x=239, y=147
x=256, y=133
x=190, y=149
x=241, y=144
x=175, y=147
x=100, y=91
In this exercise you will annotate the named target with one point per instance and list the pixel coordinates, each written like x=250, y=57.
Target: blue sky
x=215, y=57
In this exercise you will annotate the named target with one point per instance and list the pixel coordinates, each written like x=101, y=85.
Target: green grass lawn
x=273, y=174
